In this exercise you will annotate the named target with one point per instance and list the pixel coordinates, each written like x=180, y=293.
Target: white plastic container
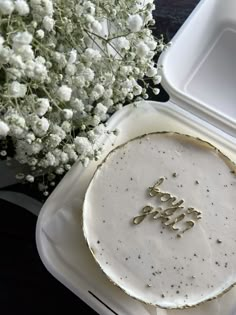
x=199, y=73
x=199, y=70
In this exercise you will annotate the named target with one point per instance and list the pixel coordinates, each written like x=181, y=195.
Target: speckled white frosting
x=148, y=260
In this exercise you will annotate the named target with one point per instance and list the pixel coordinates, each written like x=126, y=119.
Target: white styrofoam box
x=59, y=235
x=199, y=68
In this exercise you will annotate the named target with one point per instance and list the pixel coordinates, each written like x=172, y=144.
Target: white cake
x=159, y=217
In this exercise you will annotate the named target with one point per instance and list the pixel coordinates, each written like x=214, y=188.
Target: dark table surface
x=25, y=285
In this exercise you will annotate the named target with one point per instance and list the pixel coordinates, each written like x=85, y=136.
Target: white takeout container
x=199, y=72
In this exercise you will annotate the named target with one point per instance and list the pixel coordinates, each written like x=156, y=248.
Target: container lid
x=199, y=68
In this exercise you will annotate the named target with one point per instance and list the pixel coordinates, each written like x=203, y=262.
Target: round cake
x=159, y=217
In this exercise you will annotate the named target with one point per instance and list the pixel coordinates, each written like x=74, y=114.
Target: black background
x=25, y=285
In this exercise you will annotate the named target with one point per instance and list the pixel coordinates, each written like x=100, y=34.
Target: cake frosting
x=159, y=217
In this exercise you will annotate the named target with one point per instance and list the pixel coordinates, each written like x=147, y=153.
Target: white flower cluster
x=65, y=67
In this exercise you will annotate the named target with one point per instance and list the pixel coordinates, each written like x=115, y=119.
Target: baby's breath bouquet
x=65, y=67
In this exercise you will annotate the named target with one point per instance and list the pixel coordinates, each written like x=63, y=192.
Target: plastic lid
x=199, y=68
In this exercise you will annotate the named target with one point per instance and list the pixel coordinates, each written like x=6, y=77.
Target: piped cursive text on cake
x=174, y=212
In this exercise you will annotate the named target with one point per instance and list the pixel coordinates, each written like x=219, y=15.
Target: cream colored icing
x=148, y=260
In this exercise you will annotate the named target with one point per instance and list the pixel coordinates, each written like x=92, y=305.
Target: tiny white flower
x=67, y=167
x=68, y=113
x=95, y=120
x=89, y=7
x=70, y=150
x=3, y=153
x=29, y=178
x=80, y=82
x=48, y=23
x=22, y=7
x=97, y=27
x=40, y=34
x=97, y=92
x=64, y=157
x=137, y=90
x=4, y=129
x=92, y=136
x=6, y=7
x=29, y=68
x=135, y=23
x=85, y=161
x=124, y=70
x=30, y=137
x=42, y=106
x=22, y=38
x=99, y=130
x=70, y=69
x=61, y=59
x=108, y=93
x=77, y=104
x=54, y=140
x=89, y=18
x=60, y=171
x=83, y=146
x=5, y=54
x=161, y=47
x=123, y=43
x=149, y=18
x=130, y=96
x=88, y=74
x=59, y=131
x=136, y=71
x=100, y=110
x=73, y=56
x=40, y=59
x=16, y=89
x=13, y=74
x=64, y=93
x=88, y=108
x=152, y=44
x=156, y=91
x=40, y=126
x=32, y=161
x=48, y=7
x=157, y=79
x=92, y=54
x=26, y=52
x=142, y=49
x=66, y=126
x=50, y=158
x=34, y=24
x=16, y=61
x=94, y=96
x=40, y=71
x=124, y=91
x=151, y=72
x=16, y=130
x=118, y=106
